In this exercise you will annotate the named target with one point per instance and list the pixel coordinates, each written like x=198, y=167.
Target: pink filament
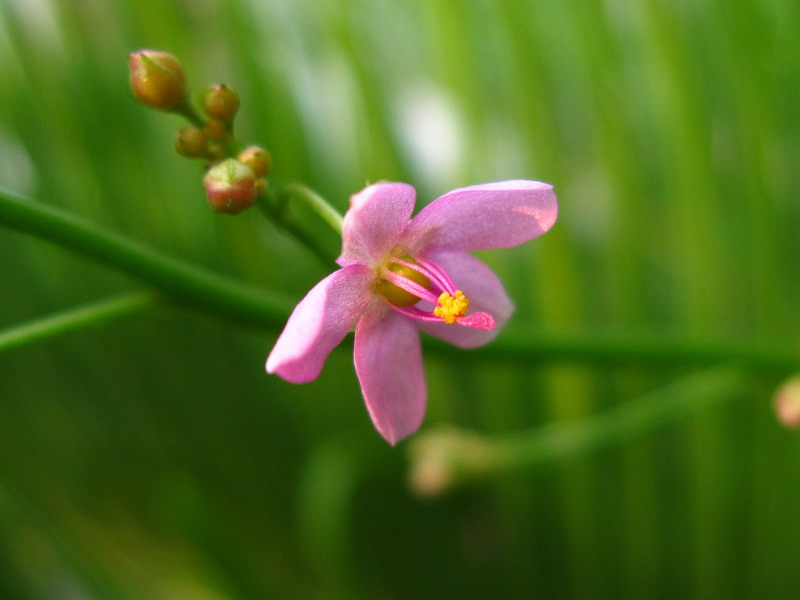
x=441, y=283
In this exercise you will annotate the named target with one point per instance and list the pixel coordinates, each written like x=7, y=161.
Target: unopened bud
x=787, y=402
x=157, y=80
x=230, y=187
x=443, y=459
x=215, y=129
x=258, y=159
x=221, y=102
x=191, y=142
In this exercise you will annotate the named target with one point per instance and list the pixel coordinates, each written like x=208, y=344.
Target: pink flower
x=399, y=275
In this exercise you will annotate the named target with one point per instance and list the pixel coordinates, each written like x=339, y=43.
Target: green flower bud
x=258, y=159
x=157, y=80
x=221, y=102
x=192, y=142
x=230, y=187
x=215, y=129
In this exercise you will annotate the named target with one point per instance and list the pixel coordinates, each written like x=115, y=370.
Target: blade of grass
x=75, y=318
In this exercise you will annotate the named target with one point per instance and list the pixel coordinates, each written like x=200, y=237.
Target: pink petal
x=319, y=323
x=485, y=293
x=377, y=216
x=482, y=217
x=388, y=362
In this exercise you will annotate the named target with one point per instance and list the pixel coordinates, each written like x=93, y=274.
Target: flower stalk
x=245, y=304
x=316, y=203
x=446, y=458
x=179, y=280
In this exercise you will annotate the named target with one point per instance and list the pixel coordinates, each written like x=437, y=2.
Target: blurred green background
x=151, y=457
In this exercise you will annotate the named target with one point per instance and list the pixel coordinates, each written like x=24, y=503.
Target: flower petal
x=482, y=217
x=485, y=293
x=319, y=323
x=388, y=361
x=376, y=218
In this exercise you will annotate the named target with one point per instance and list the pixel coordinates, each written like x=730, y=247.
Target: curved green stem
x=68, y=320
x=190, y=114
x=446, y=458
x=176, y=278
x=317, y=203
x=268, y=205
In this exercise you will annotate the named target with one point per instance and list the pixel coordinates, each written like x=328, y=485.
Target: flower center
x=399, y=296
x=405, y=281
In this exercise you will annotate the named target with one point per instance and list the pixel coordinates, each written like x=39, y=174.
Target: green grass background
x=151, y=456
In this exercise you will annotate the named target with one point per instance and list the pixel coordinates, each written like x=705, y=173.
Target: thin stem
x=317, y=203
x=446, y=458
x=650, y=350
x=190, y=114
x=176, y=278
x=240, y=302
x=631, y=420
x=275, y=213
x=75, y=318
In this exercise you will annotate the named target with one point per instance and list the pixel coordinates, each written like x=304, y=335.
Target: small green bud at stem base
x=258, y=159
x=221, y=102
x=215, y=130
x=192, y=142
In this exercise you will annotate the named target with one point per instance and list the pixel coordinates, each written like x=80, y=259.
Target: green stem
x=176, y=278
x=236, y=301
x=317, y=203
x=190, y=114
x=631, y=420
x=89, y=314
x=642, y=349
x=276, y=213
x=445, y=458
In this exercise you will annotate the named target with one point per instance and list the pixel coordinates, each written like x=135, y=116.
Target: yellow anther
x=449, y=308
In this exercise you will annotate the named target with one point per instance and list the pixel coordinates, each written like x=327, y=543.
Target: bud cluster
x=234, y=178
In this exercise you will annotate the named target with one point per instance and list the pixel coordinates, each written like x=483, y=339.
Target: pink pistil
x=432, y=271
x=441, y=282
x=437, y=273
x=412, y=287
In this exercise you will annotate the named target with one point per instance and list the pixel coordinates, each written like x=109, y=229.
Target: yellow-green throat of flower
x=405, y=281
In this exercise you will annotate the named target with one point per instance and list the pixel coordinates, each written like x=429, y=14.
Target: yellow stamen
x=449, y=307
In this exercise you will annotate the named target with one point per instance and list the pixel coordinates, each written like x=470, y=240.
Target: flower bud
x=221, y=102
x=787, y=402
x=442, y=459
x=191, y=142
x=215, y=129
x=230, y=187
x=258, y=159
x=157, y=80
